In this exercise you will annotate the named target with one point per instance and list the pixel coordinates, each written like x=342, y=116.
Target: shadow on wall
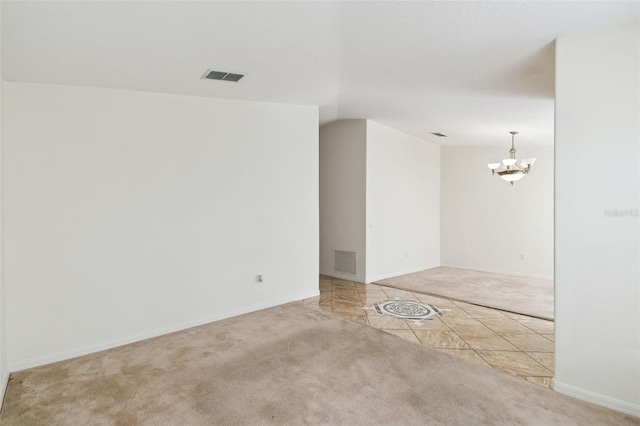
x=533, y=77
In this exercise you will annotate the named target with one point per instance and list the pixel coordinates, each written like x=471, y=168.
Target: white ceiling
x=471, y=70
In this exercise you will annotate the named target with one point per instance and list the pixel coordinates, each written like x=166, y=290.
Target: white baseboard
x=596, y=398
x=72, y=353
x=398, y=273
x=494, y=271
x=340, y=275
x=384, y=277
x=4, y=382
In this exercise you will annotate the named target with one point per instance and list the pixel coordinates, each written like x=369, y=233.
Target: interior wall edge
x=86, y=350
x=596, y=398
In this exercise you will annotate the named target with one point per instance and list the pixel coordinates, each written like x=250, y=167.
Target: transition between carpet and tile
x=527, y=296
x=288, y=365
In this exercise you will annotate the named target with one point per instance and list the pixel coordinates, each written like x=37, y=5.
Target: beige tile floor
x=512, y=343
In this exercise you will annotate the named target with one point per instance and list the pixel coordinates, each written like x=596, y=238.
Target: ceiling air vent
x=439, y=134
x=222, y=75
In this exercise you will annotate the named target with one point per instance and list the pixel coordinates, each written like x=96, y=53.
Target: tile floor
x=516, y=344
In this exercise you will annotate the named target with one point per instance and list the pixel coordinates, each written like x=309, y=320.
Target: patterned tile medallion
x=407, y=310
x=512, y=343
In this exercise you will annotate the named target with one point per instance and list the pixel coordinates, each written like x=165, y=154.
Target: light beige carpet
x=528, y=296
x=289, y=365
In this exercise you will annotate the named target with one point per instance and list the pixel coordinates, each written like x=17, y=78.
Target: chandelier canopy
x=512, y=169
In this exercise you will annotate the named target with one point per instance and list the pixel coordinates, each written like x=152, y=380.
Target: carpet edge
x=160, y=331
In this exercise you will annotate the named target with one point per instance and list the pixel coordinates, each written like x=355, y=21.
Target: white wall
x=485, y=222
x=342, y=194
x=403, y=203
x=4, y=368
x=597, y=256
x=131, y=214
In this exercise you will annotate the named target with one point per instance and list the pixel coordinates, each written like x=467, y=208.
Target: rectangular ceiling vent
x=345, y=261
x=222, y=75
x=439, y=135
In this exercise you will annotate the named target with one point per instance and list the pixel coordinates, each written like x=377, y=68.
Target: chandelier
x=512, y=169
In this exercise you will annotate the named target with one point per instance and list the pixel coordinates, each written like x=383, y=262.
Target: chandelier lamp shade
x=512, y=169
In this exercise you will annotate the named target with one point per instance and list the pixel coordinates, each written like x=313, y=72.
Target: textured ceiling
x=471, y=70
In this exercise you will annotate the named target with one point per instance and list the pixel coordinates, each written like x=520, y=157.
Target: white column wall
x=4, y=368
x=597, y=236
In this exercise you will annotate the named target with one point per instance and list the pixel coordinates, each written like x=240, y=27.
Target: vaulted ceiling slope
x=471, y=70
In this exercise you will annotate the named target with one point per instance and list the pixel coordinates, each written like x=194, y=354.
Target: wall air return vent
x=222, y=75
x=345, y=261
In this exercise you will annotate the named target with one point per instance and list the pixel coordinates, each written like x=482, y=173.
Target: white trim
x=493, y=271
x=4, y=382
x=397, y=274
x=72, y=353
x=384, y=277
x=341, y=275
x=596, y=398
